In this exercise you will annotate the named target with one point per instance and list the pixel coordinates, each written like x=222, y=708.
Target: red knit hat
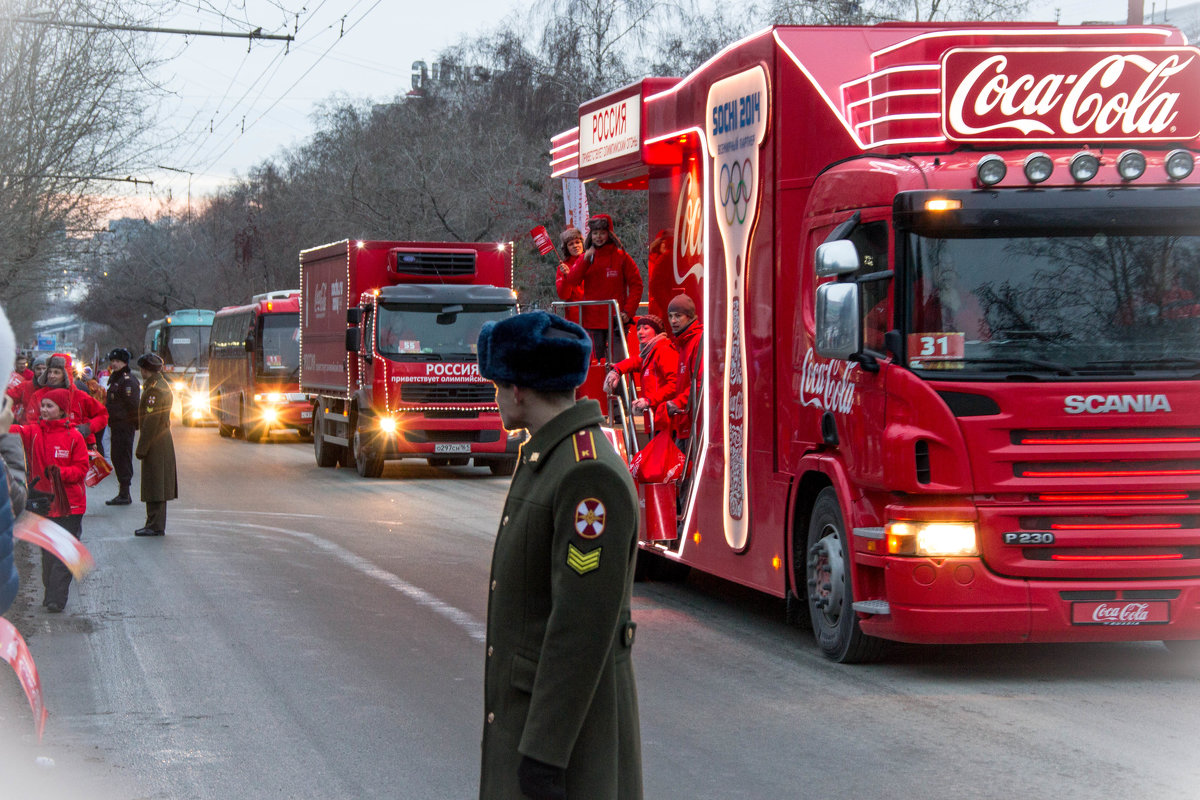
x=653, y=320
x=60, y=398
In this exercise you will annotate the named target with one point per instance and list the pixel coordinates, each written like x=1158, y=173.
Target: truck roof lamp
x=1131, y=165
x=1084, y=166
x=1038, y=167
x=990, y=170
x=1179, y=164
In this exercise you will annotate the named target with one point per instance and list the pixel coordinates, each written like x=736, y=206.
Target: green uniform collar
x=584, y=414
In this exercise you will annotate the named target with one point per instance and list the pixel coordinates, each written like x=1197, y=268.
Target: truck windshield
x=419, y=332
x=1056, y=306
x=280, y=344
x=187, y=346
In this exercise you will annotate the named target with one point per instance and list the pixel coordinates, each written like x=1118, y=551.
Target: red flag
x=14, y=650
x=541, y=240
x=45, y=533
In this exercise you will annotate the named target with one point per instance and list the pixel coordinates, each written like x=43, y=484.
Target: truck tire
x=503, y=466
x=327, y=454
x=253, y=431
x=368, y=460
x=830, y=590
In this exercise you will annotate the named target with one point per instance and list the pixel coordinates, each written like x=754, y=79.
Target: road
x=305, y=633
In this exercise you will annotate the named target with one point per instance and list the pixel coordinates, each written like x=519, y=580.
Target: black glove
x=541, y=781
x=84, y=429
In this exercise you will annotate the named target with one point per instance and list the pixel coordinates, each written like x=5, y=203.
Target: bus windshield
x=280, y=345
x=187, y=346
x=409, y=331
x=1056, y=306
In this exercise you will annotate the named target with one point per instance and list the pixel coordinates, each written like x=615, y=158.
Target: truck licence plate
x=1121, y=612
x=305, y=415
x=452, y=447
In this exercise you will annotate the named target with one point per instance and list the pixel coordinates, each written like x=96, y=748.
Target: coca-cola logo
x=1121, y=612
x=828, y=385
x=1078, y=94
x=1129, y=612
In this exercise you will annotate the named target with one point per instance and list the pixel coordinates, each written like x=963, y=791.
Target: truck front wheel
x=830, y=588
x=327, y=454
x=368, y=458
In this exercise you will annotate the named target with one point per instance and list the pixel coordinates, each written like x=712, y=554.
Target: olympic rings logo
x=736, y=180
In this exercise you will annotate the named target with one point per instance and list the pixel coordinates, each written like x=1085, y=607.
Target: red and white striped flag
x=541, y=240
x=45, y=533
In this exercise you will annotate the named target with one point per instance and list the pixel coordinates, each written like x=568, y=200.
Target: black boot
x=122, y=498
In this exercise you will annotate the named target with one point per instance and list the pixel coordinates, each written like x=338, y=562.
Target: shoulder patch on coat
x=589, y=518
x=582, y=562
x=150, y=400
x=585, y=446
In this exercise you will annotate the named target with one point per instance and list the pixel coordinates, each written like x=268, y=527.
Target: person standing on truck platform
x=122, y=400
x=155, y=448
x=657, y=361
x=605, y=272
x=688, y=332
x=571, y=240
x=560, y=713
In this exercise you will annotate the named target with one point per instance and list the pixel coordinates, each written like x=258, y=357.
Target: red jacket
x=55, y=443
x=21, y=393
x=566, y=292
x=689, y=370
x=658, y=369
x=611, y=275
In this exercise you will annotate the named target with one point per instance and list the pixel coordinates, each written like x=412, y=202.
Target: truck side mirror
x=838, y=323
x=352, y=339
x=837, y=258
x=353, y=315
x=249, y=344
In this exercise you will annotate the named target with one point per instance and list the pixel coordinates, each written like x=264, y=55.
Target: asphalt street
x=306, y=633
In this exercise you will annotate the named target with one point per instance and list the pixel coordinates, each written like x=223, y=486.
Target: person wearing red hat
x=58, y=463
x=657, y=361
x=83, y=412
x=604, y=272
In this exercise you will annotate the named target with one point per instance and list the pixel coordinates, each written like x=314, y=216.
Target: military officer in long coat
x=560, y=716
x=155, y=449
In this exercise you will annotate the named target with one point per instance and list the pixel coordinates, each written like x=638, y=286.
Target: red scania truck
x=388, y=353
x=950, y=286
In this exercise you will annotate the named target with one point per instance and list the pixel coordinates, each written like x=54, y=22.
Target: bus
x=181, y=340
x=254, y=362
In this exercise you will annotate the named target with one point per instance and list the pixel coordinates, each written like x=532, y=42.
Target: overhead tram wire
x=297, y=81
x=263, y=82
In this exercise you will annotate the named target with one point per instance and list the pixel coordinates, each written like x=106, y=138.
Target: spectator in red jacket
x=22, y=392
x=605, y=272
x=83, y=412
x=657, y=361
x=688, y=332
x=58, y=463
x=571, y=240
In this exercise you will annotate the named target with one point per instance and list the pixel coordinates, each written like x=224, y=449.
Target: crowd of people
x=52, y=428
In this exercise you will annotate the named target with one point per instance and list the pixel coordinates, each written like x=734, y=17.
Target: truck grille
x=436, y=264
x=447, y=393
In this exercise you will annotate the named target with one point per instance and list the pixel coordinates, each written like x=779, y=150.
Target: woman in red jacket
x=658, y=362
x=58, y=462
x=82, y=411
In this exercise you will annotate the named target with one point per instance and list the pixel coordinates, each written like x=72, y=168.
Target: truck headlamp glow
x=179, y=386
x=199, y=399
x=387, y=424
x=1084, y=167
x=269, y=414
x=932, y=539
x=269, y=397
x=1038, y=167
x=991, y=169
x=1179, y=164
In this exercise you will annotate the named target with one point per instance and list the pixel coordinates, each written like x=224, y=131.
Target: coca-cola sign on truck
x=1075, y=94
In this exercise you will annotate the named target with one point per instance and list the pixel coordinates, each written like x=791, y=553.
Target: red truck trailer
x=949, y=279
x=388, y=353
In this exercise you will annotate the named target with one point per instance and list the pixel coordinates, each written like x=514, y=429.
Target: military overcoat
x=559, y=683
x=155, y=448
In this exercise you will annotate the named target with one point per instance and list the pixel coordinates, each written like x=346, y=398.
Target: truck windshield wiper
x=999, y=363
x=1145, y=363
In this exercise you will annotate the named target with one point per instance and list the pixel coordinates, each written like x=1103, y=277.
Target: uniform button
x=489, y=651
x=505, y=520
x=491, y=717
x=493, y=586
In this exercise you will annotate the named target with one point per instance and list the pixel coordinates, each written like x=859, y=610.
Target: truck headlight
x=180, y=386
x=932, y=539
x=387, y=424
x=269, y=414
x=199, y=400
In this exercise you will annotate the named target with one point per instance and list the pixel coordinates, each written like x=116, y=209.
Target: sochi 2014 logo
x=736, y=179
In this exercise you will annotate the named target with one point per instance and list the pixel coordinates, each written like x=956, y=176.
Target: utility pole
x=1137, y=12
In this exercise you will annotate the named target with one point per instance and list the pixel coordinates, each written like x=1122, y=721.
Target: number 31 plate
x=452, y=447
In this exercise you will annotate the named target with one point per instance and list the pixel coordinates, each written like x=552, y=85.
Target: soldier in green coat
x=155, y=449
x=560, y=715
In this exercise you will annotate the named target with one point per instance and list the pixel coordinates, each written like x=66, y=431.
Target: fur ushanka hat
x=536, y=350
